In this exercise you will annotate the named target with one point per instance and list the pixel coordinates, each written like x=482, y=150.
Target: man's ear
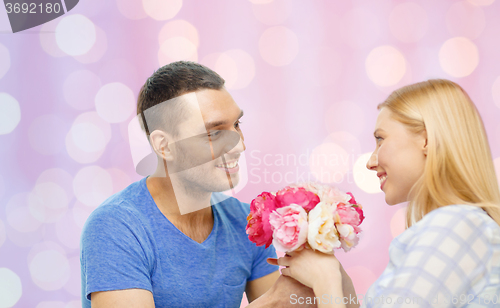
x=161, y=141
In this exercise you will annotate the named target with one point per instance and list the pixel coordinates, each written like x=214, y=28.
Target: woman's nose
x=372, y=162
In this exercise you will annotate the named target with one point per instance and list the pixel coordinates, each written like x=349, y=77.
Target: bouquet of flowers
x=318, y=215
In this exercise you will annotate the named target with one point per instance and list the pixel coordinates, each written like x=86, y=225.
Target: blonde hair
x=459, y=168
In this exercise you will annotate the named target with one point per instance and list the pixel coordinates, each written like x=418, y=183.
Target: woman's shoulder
x=466, y=222
x=450, y=215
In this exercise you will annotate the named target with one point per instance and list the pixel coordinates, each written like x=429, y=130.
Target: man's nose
x=240, y=147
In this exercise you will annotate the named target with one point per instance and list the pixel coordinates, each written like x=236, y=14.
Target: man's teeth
x=382, y=179
x=228, y=166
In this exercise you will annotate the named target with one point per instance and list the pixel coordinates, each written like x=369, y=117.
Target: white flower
x=322, y=234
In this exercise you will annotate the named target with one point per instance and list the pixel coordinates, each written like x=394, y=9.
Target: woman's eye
x=379, y=139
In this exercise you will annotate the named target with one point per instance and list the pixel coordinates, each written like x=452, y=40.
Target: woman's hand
x=311, y=268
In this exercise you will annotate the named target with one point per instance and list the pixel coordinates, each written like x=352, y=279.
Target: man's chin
x=228, y=184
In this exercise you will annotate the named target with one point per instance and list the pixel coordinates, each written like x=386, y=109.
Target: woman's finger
x=285, y=271
x=284, y=261
x=272, y=261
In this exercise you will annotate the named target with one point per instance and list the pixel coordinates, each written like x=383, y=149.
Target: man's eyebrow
x=211, y=125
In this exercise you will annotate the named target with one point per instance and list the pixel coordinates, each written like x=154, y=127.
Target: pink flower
x=290, y=226
x=348, y=237
x=345, y=214
x=359, y=209
x=326, y=193
x=352, y=200
x=297, y=195
x=258, y=227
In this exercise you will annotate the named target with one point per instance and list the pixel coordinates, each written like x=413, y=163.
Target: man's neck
x=190, y=212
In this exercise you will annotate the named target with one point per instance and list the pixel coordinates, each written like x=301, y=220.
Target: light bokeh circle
x=81, y=213
x=49, y=269
x=87, y=138
x=115, y=102
x=245, y=67
x=177, y=48
x=119, y=178
x=398, y=222
x=365, y=179
x=278, y=46
x=347, y=141
x=73, y=286
x=58, y=176
x=26, y=238
x=92, y=185
x=11, y=288
x=46, y=134
x=10, y=113
x=51, y=304
x=75, y=34
x=3, y=233
x=67, y=231
x=179, y=28
x=4, y=60
x=272, y=13
x=162, y=9
x=80, y=89
x=78, y=154
x=2, y=186
x=481, y=2
x=236, y=66
x=98, y=49
x=329, y=163
x=73, y=304
x=131, y=9
x=459, y=57
x=48, y=202
x=495, y=91
x=465, y=19
x=19, y=216
x=408, y=22
x=385, y=66
x=48, y=39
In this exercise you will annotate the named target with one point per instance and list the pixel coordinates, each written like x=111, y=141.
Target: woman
x=431, y=150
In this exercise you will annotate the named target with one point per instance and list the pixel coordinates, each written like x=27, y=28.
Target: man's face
x=209, y=143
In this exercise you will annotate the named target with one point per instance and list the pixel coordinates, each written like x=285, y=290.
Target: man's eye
x=214, y=133
x=237, y=124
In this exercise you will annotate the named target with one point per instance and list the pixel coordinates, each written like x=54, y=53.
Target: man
x=169, y=240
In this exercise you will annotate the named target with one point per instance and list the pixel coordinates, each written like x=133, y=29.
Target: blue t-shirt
x=128, y=243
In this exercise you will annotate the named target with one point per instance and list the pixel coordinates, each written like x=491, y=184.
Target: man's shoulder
x=122, y=207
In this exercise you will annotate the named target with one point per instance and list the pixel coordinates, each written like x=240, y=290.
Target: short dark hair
x=170, y=81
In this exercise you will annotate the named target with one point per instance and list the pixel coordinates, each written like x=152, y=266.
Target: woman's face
x=398, y=159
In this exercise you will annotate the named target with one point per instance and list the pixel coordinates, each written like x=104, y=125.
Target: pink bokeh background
x=308, y=75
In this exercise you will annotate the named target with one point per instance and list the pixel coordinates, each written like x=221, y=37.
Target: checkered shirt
x=450, y=258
